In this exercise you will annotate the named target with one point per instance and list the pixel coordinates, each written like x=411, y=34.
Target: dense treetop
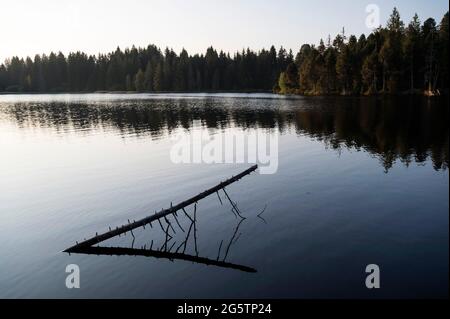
x=392, y=59
x=145, y=69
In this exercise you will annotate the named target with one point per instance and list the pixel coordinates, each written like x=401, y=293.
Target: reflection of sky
x=32, y=27
x=327, y=209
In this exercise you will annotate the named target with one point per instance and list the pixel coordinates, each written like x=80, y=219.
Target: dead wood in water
x=119, y=251
x=162, y=214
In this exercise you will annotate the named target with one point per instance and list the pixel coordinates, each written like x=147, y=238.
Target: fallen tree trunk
x=165, y=212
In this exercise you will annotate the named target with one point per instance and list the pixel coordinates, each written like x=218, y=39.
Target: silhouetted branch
x=168, y=222
x=220, y=200
x=259, y=215
x=125, y=228
x=195, y=229
x=232, y=238
x=233, y=204
x=176, y=219
x=220, y=247
x=184, y=211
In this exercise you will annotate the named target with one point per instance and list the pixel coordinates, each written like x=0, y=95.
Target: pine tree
x=129, y=83
x=343, y=70
x=444, y=50
x=410, y=48
x=148, y=77
x=282, y=83
x=369, y=73
x=158, y=79
x=429, y=34
x=330, y=67
x=38, y=80
x=139, y=81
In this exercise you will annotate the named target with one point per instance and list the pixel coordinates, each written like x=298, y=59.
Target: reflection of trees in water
x=409, y=129
x=392, y=128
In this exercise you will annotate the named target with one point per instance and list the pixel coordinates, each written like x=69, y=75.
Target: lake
x=359, y=181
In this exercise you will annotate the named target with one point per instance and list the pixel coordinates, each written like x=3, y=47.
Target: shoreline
x=140, y=92
x=403, y=94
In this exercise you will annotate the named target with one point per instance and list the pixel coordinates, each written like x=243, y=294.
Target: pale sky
x=28, y=27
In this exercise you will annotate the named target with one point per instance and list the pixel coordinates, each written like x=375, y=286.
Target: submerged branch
x=165, y=212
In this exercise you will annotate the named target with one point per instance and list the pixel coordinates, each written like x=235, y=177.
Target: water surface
x=359, y=181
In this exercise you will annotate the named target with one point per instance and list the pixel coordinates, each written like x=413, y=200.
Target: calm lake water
x=360, y=181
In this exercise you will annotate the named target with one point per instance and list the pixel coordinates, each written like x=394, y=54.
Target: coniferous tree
x=392, y=52
x=3, y=77
x=430, y=37
x=148, y=77
x=343, y=69
x=129, y=83
x=38, y=81
x=282, y=84
x=444, y=51
x=369, y=73
x=391, y=59
x=411, y=45
x=158, y=79
x=139, y=81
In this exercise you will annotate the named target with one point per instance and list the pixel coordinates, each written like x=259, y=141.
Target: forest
x=145, y=70
x=392, y=59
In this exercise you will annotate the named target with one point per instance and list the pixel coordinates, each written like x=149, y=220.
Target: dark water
x=360, y=181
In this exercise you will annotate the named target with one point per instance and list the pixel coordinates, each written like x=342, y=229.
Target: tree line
x=392, y=59
x=145, y=70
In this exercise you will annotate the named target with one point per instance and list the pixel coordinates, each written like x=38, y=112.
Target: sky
x=29, y=27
